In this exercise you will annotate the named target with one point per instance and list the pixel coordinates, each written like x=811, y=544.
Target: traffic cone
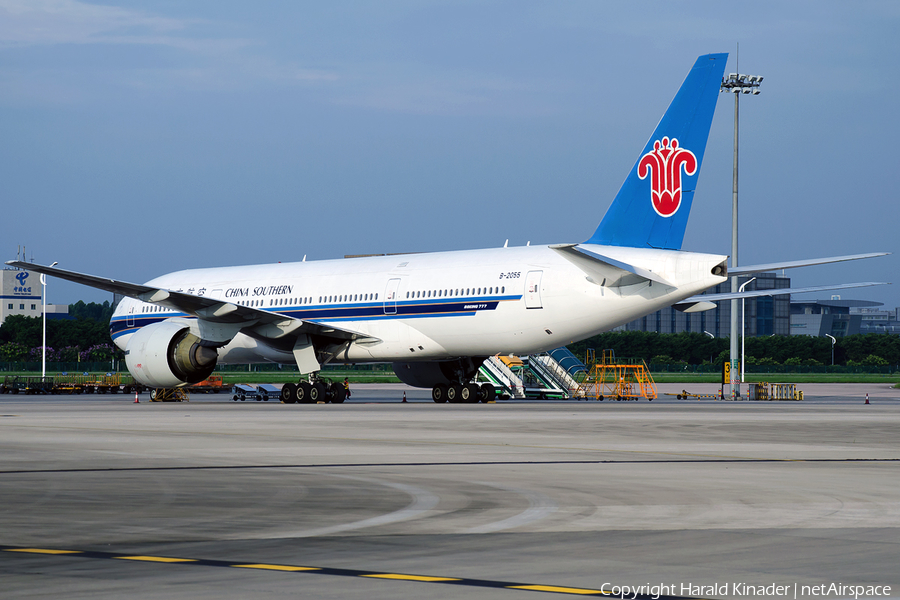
x=136, y=401
x=867, y=398
x=404, y=395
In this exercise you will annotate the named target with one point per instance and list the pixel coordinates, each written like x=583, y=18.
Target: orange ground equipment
x=616, y=379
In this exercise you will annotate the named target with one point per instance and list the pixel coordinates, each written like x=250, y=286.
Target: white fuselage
x=436, y=306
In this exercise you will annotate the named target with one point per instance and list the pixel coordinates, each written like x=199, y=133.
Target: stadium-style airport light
x=737, y=84
x=743, y=323
x=44, y=315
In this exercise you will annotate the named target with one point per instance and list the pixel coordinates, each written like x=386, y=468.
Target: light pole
x=743, y=323
x=736, y=84
x=713, y=337
x=44, y=325
x=832, y=348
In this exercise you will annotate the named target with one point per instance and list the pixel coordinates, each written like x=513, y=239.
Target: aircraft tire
x=439, y=394
x=317, y=393
x=301, y=394
x=464, y=396
x=338, y=393
x=289, y=393
x=454, y=394
x=471, y=392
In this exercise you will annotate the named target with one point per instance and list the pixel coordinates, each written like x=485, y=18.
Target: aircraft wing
x=700, y=298
x=739, y=270
x=207, y=309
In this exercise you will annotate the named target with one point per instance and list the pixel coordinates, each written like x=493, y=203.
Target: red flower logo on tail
x=665, y=162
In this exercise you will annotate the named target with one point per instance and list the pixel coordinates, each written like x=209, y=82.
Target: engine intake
x=167, y=354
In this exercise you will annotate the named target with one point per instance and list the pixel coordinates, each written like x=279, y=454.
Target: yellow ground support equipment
x=511, y=361
x=686, y=395
x=169, y=395
x=774, y=391
x=622, y=379
x=103, y=384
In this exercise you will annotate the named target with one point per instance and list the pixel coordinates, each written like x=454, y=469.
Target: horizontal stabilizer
x=693, y=307
x=604, y=270
x=777, y=292
x=800, y=263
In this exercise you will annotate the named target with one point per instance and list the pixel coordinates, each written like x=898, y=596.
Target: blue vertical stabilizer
x=652, y=207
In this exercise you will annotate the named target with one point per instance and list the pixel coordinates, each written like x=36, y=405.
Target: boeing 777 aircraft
x=437, y=316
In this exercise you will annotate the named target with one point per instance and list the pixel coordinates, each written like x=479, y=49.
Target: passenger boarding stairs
x=501, y=375
x=561, y=367
x=535, y=376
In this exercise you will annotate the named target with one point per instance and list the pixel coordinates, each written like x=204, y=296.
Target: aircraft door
x=533, y=289
x=129, y=319
x=390, y=297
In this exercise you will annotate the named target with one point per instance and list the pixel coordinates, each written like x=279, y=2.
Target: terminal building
x=873, y=320
x=827, y=317
x=839, y=318
x=20, y=292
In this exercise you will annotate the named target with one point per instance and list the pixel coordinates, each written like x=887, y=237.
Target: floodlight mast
x=736, y=84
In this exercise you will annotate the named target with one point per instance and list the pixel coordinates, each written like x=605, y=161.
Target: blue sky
x=145, y=137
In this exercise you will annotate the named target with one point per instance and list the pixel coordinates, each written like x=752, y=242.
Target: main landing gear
x=463, y=393
x=314, y=391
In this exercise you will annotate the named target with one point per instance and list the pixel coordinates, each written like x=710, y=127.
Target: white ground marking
x=539, y=507
x=422, y=502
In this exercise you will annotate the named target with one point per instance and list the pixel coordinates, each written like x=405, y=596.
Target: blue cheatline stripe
x=372, y=311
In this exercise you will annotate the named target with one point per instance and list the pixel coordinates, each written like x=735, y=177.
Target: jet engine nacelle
x=168, y=355
x=433, y=373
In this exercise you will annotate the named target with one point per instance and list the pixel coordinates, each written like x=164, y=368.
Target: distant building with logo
x=874, y=320
x=840, y=318
x=827, y=317
x=765, y=315
x=20, y=292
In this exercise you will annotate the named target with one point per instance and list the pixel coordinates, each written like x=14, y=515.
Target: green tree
x=22, y=330
x=662, y=359
x=92, y=310
x=13, y=352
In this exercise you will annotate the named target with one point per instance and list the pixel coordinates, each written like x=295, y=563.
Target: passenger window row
x=446, y=293
x=347, y=298
x=453, y=293
x=290, y=301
